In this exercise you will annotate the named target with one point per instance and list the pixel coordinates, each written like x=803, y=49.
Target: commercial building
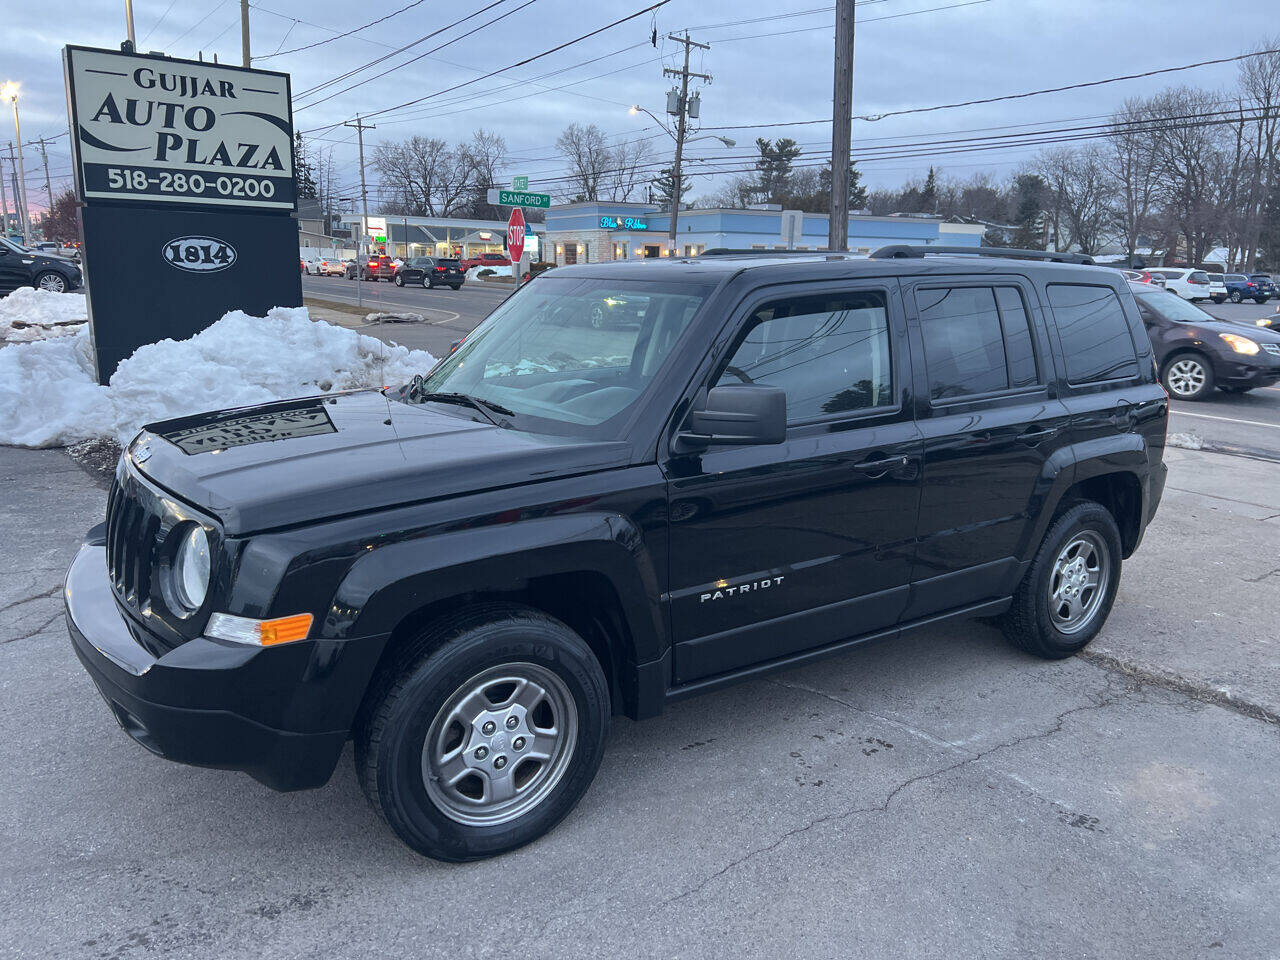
x=404, y=236
x=598, y=232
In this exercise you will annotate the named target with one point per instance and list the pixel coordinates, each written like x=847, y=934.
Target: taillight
x=439, y=269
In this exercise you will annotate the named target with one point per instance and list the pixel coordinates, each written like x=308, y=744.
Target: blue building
x=599, y=232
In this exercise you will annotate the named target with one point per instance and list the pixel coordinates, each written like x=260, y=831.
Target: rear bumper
x=210, y=703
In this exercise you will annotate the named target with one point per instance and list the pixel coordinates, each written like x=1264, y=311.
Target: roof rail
x=900, y=250
x=737, y=252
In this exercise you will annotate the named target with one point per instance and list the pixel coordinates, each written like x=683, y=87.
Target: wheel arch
x=1120, y=491
x=590, y=572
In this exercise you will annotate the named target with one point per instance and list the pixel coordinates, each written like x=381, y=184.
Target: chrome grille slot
x=131, y=535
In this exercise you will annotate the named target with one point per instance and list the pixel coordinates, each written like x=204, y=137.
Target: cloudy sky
x=769, y=64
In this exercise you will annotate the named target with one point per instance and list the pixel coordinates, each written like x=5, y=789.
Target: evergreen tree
x=303, y=174
x=1029, y=192
x=857, y=192
x=663, y=186
x=928, y=202
x=773, y=182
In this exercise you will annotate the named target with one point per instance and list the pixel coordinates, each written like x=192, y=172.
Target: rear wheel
x=1236, y=296
x=484, y=733
x=456, y=286
x=1260, y=300
x=1069, y=589
x=1188, y=376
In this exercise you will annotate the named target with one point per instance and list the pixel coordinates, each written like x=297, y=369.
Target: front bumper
x=1260, y=371
x=281, y=719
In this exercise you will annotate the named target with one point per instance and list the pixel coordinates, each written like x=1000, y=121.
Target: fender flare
x=392, y=581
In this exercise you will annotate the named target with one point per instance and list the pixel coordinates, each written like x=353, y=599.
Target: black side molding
x=916, y=251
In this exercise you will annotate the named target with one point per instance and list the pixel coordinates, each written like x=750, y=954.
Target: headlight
x=1264, y=322
x=1240, y=344
x=190, y=570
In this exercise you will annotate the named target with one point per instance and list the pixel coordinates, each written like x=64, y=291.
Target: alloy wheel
x=1078, y=583
x=500, y=744
x=1187, y=377
x=52, y=282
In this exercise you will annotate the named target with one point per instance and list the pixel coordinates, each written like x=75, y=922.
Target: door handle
x=878, y=468
x=1035, y=436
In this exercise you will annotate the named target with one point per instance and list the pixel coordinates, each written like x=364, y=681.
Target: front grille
x=1272, y=348
x=131, y=538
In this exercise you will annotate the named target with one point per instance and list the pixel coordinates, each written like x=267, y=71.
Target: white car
x=326, y=267
x=1191, y=284
x=311, y=265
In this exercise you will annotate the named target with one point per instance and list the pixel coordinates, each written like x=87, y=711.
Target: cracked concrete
x=942, y=796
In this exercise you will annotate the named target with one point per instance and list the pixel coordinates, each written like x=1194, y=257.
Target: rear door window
x=1095, y=337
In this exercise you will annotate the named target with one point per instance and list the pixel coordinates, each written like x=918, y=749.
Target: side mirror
x=736, y=414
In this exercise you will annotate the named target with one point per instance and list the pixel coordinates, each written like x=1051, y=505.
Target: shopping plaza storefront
x=404, y=237
x=602, y=232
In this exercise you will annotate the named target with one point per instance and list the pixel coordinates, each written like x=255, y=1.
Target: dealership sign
x=185, y=173
x=172, y=131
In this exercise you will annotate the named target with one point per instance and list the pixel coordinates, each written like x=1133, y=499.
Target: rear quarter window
x=1095, y=336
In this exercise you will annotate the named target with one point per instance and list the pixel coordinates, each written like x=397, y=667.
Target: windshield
x=1170, y=306
x=571, y=355
x=15, y=245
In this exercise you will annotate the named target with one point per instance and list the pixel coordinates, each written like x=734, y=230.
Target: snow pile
x=48, y=396
x=1184, y=441
x=29, y=314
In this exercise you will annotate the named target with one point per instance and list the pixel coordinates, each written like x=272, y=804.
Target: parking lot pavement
x=942, y=796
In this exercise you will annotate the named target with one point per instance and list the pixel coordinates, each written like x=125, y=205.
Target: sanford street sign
x=518, y=198
x=154, y=129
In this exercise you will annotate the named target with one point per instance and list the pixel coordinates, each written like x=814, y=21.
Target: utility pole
x=360, y=127
x=841, y=128
x=244, y=31
x=20, y=189
x=682, y=112
x=4, y=206
x=48, y=184
x=128, y=24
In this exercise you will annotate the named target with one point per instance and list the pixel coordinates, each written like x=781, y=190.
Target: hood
x=300, y=461
x=1241, y=328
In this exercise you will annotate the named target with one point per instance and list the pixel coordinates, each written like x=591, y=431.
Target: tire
x=456, y=286
x=1260, y=300
x=1239, y=391
x=1034, y=622
x=408, y=725
x=1187, y=376
x=50, y=280
x=399, y=280
x=426, y=284
x=1236, y=296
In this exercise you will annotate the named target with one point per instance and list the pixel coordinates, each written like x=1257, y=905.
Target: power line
x=385, y=57
x=452, y=40
x=320, y=43
x=156, y=25
x=1009, y=96
x=526, y=60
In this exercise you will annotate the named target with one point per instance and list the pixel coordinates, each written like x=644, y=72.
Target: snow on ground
x=1185, y=441
x=48, y=396
x=29, y=314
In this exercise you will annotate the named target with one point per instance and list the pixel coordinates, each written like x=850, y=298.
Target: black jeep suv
x=784, y=457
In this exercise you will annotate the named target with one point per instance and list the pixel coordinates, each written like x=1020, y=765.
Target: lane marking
x=1206, y=416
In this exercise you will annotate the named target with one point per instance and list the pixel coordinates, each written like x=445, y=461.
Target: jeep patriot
x=771, y=459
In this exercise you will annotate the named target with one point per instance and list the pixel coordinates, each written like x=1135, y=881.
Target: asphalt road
x=1248, y=422
x=942, y=796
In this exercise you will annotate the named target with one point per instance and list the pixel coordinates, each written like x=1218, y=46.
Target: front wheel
x=51, y=281
x=399, y=280
x=1188, y=376
x=484, y=732
x=1067, y=592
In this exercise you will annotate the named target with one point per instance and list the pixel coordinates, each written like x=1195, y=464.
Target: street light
x=710, y=136
x=10, y=92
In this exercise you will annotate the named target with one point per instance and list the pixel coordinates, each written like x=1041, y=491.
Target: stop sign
x=515, y=235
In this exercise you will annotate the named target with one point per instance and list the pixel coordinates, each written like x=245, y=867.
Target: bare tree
x=488, y=155
x=424, y=176
x=1130, y=160
x=590, y=158
x=628, y=163
x=1260, y=89
x=1084, y=193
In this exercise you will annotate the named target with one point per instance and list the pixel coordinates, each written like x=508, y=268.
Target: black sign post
x=185, y=172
